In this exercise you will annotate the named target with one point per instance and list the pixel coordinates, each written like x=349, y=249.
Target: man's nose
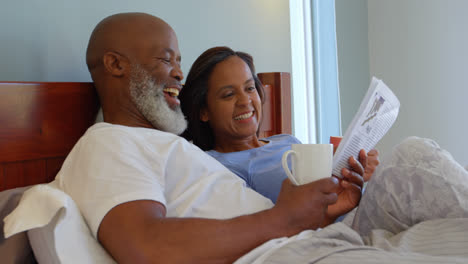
x=177, y=72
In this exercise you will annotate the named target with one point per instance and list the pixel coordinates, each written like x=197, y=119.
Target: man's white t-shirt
x=113, y=164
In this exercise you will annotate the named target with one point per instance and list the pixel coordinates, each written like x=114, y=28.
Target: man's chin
x=172, y=122
x=172, y=102
x=174, y=108
x=179, y=128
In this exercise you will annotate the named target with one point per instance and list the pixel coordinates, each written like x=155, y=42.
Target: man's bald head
x=134, y=61
x=122, y=33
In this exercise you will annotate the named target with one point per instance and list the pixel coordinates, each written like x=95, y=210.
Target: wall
x=419, y=49
x=46, y=40
x=353, y=56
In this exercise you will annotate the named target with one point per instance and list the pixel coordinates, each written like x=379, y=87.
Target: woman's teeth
x=244, y=116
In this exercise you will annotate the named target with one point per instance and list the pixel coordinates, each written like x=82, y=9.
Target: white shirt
x=113, y=164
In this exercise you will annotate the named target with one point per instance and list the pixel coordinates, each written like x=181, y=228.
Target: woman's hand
x=370, y=162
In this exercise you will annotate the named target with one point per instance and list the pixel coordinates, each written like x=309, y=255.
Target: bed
x=41, y=122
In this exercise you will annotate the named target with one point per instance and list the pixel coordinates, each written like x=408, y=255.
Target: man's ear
x=115, y=63
x=204, y=115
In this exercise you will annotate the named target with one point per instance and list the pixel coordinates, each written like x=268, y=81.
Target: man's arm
x=139, y=232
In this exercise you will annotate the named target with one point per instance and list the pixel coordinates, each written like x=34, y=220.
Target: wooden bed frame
x=41, y=122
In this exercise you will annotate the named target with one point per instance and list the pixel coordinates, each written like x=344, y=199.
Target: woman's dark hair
x=193, y=95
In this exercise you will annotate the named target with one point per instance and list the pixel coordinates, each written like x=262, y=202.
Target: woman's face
x=233, y=105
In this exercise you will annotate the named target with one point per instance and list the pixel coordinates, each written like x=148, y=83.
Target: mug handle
x=284, y=162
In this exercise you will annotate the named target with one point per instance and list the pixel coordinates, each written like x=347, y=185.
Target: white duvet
x=414, y=210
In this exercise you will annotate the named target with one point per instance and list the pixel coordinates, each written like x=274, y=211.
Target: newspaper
x=377, y=113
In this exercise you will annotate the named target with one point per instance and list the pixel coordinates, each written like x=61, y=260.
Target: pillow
x=15, y=249
x=99, y=116
x=56, y=228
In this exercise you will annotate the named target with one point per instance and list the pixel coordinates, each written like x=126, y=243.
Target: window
x=314, y=74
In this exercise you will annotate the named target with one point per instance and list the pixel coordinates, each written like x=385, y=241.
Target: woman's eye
x=252, y=88
x=227, y=95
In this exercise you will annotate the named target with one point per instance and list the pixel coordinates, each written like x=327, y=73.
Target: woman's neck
x=234, y=145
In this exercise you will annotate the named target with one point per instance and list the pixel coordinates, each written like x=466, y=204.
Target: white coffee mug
x=310, y=162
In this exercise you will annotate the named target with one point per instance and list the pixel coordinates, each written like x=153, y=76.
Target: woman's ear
x=115, y=63
x=204, y=115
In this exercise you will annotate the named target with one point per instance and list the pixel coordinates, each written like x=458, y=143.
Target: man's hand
x=349, y=190
x=305, y=206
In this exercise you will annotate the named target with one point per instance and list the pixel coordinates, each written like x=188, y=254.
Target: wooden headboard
x=41, y=122
x=277, y=107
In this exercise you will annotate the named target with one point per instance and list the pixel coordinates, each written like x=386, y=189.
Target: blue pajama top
x=260, y=167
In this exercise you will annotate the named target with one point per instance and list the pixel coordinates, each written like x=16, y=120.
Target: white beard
x=148, y=96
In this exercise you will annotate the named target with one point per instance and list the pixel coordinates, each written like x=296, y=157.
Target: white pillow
x=56, y=228
x=15, y=249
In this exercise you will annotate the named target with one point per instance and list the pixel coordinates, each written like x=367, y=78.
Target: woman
x=222, y=100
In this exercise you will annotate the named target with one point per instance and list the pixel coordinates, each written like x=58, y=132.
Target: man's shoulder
x=105, y=133
x=107, y=129
x=106, y=142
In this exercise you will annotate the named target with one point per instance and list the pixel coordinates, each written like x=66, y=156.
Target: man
x=150, y=196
